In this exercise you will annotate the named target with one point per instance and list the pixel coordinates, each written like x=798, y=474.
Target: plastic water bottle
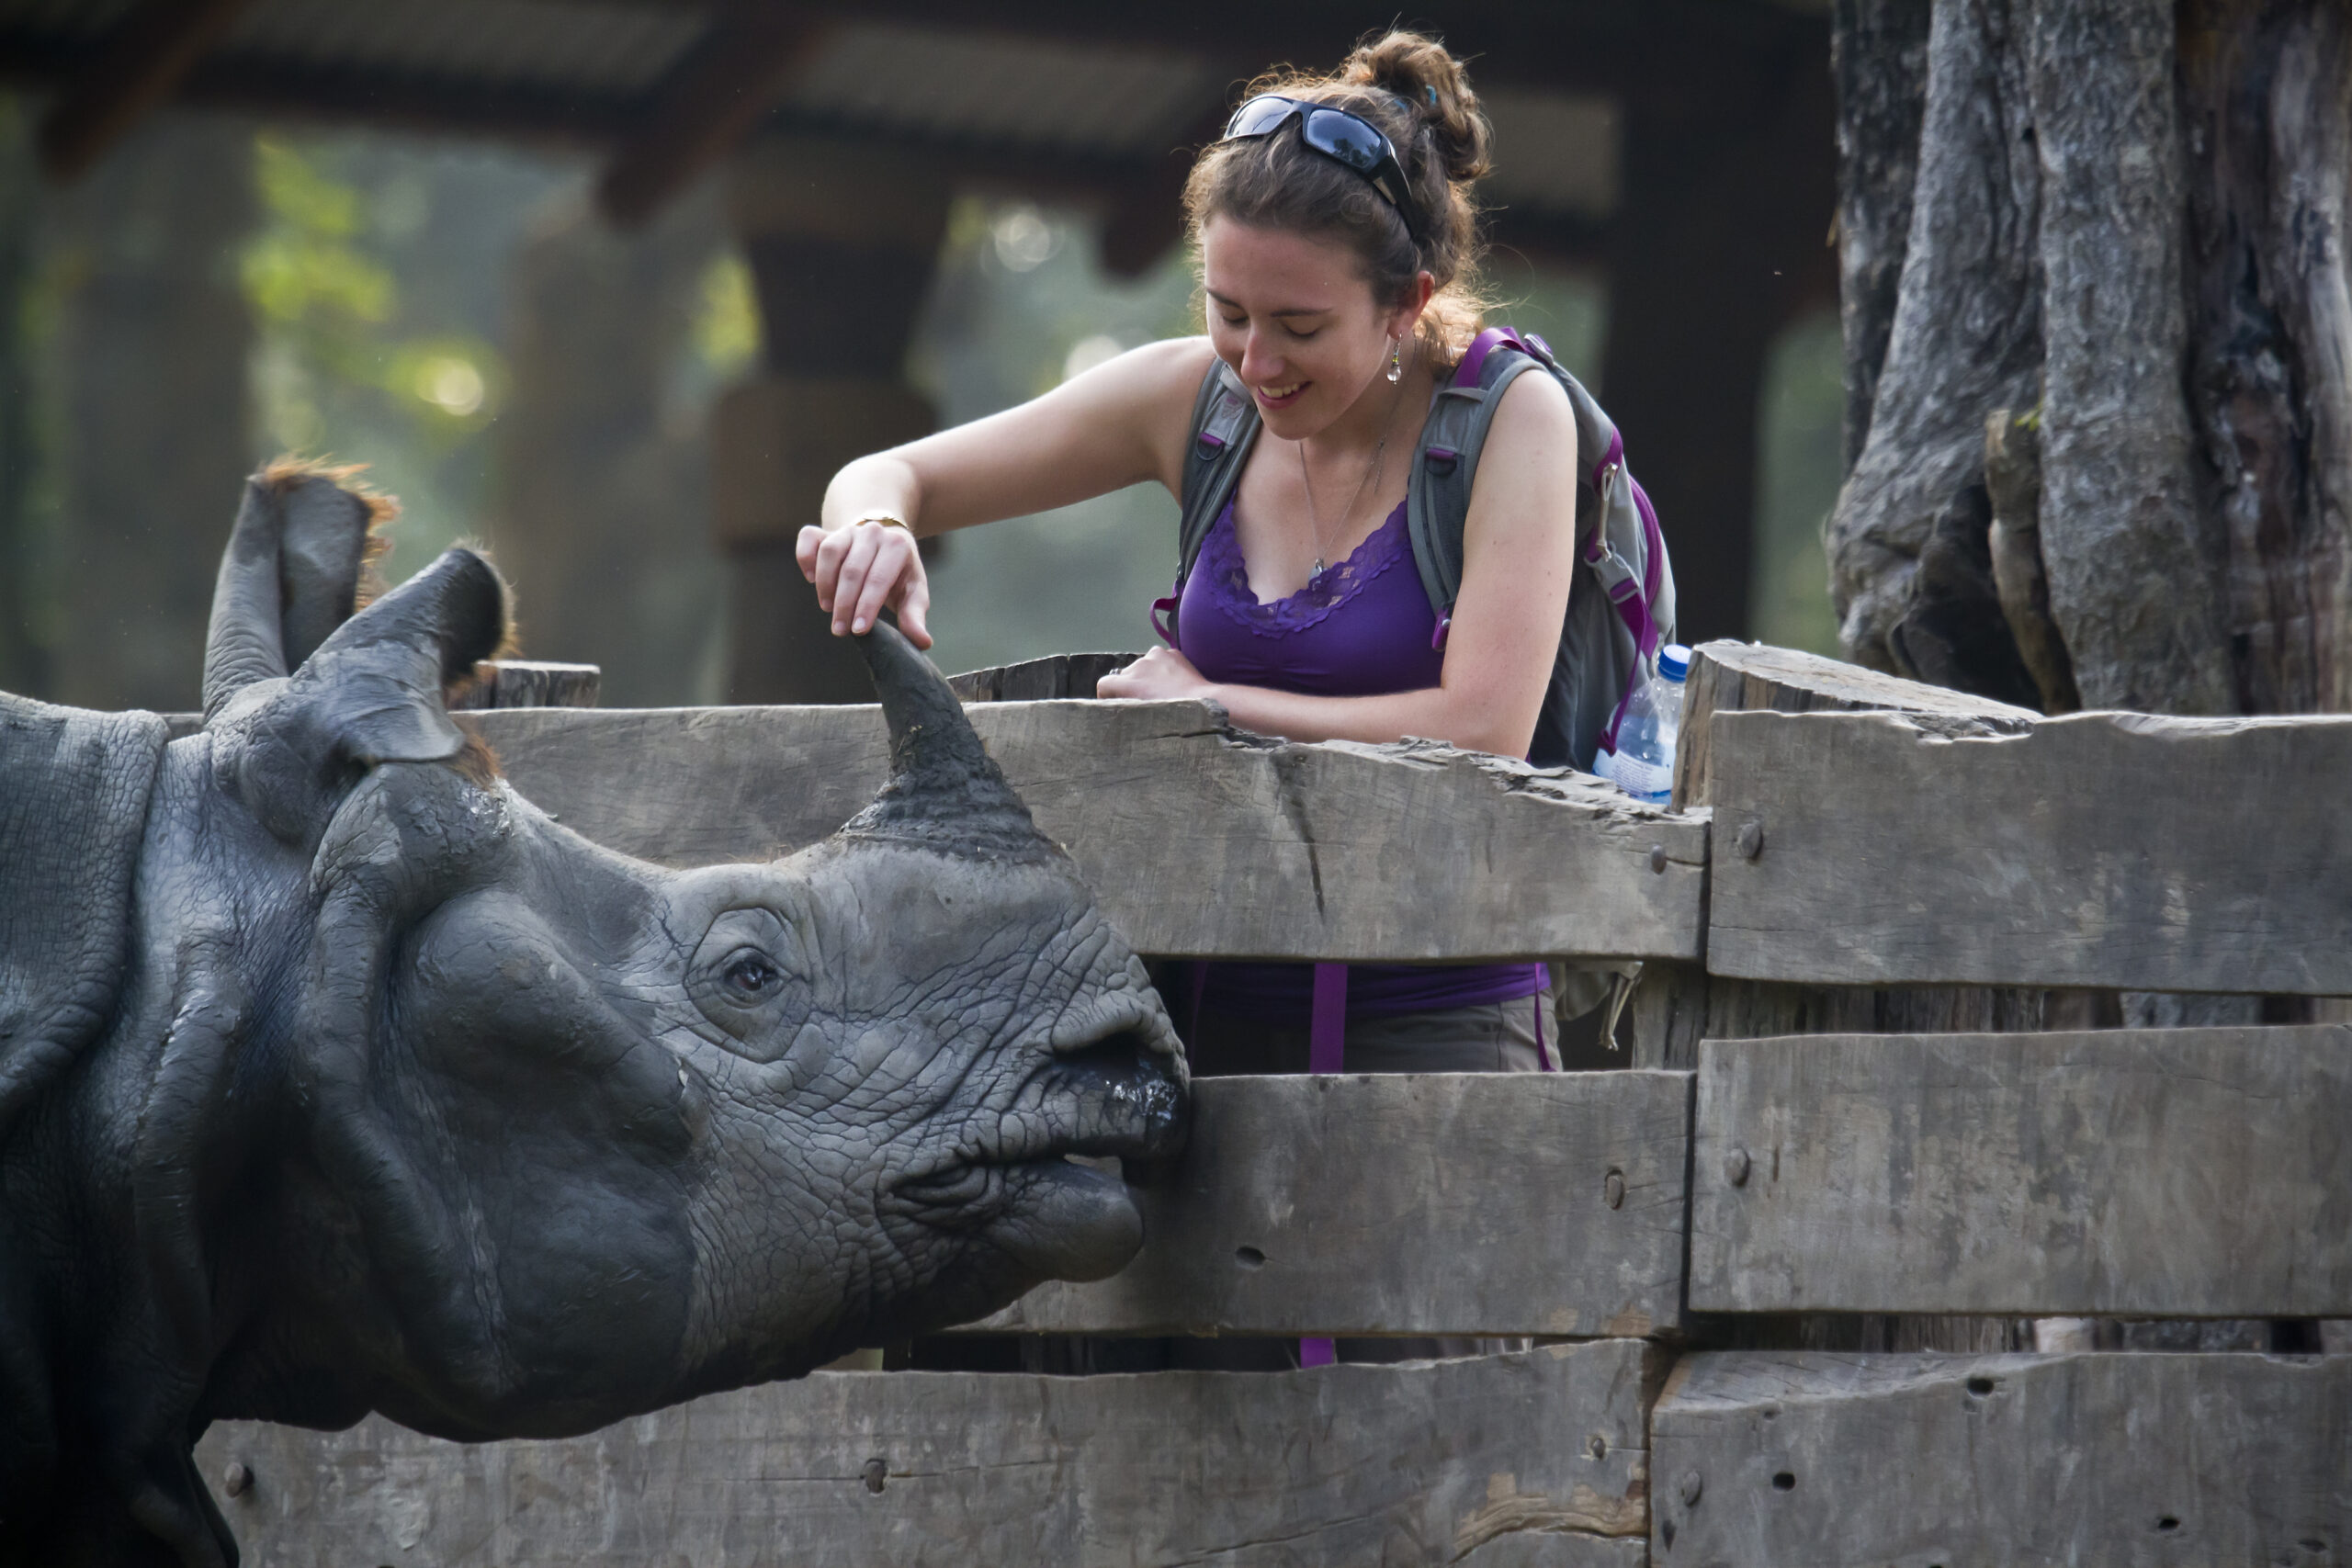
x=1643, y=765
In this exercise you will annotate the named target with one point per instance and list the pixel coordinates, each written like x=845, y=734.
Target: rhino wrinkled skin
x=335, y=1077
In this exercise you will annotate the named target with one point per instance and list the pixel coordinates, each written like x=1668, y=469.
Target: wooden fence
x=1843, y=1098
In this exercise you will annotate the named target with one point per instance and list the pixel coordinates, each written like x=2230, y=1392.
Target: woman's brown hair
x=1420, y=95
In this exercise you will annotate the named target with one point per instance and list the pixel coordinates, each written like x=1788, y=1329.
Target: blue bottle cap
x=1674, y=661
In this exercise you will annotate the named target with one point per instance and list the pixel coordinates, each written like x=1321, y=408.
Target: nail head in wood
x=877, y=1469
x=1750, y=842
x=236, y=1480
x=1692, y=1488
x=1658, y=859
x=1735, y=1167
x=1613, y=1190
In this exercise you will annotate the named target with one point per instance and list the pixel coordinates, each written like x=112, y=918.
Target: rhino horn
x=944, y=791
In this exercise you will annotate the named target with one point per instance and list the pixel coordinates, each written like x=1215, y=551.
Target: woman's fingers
x=914, y=606
x=859, y=570
x=829, y=548
x=888, y=565
x=857, y=559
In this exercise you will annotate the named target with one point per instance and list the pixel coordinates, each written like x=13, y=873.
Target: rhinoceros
x=336, y=1077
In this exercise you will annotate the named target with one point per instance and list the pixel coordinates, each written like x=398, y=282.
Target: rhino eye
x=750, y=975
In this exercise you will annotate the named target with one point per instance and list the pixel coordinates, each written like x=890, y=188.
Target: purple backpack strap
x=1473, y=359
x=1631, y=595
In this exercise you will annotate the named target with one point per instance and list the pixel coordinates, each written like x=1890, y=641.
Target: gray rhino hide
x=74, y=790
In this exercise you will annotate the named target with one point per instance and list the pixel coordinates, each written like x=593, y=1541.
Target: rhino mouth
x=1017, y=1177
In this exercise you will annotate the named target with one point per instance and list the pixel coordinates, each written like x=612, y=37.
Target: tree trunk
x=2126, y=226
x=1878, y=60
x=2265, y=93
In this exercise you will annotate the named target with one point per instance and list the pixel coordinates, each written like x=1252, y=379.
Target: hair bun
x=1420, y=71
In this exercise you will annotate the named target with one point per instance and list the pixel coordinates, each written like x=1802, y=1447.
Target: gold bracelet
x=887, y=521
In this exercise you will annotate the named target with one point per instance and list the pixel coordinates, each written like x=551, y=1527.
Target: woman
x=1339, y=262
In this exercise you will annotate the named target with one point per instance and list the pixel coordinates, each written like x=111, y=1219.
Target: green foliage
x=725, y=328
x=327, y=310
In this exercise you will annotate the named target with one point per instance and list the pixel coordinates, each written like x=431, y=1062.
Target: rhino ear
x=305, y=538
x=372, y=693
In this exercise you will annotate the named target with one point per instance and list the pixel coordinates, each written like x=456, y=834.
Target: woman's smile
x=1282, y=396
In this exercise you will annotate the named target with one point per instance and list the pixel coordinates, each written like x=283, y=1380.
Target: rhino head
x=413, y=1100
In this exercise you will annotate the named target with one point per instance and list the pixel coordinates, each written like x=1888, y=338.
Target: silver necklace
x=1370, y=469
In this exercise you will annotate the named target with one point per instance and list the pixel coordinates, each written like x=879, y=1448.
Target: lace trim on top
x=1229, y=575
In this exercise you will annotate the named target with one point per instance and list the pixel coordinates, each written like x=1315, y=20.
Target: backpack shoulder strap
x=1437, y=497
x=1225, y=427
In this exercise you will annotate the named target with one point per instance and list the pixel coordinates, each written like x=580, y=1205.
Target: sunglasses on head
x=1340, y=136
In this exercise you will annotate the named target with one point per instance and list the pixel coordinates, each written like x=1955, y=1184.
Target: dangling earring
x=1396, y=360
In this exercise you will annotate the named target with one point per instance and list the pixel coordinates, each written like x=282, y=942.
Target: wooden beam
x=532, y=683
x=1793, y=1460
x=1454, y=1203
x=1728, y=676
x=1501, y=1461
x=148, y=54
x=2145, y=1173
x=1198, y=839
x=711, y=100
x=2098, y=849
x=1037, y=680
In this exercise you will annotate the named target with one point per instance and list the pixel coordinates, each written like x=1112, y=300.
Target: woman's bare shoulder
x=1535, y=407
x=1161, y=371
x=1151, y=389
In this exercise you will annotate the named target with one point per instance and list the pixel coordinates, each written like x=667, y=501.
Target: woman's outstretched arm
x=1118, y=424
x=1519, y=555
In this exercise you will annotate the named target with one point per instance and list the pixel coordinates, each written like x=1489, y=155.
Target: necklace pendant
x=1318, y=572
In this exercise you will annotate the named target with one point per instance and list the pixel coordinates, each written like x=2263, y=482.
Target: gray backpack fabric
x=1608, y=638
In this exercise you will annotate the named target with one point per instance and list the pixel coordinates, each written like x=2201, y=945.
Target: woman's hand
x=864, y=569
x=1162, y=674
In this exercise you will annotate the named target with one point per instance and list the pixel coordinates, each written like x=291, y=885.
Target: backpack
x=1608, y=639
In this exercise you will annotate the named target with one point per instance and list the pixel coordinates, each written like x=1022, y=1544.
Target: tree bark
x=1878, y=58
x=2127, y=224
x=2133, y=588
x=2266, y=100
x=1965, y=339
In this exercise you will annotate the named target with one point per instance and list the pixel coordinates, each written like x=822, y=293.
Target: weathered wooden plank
x=1736, y=677
x=1503, y=1462
x=2139, y=1173
x=1037, y=680
x=532, y=683
x=1795, y=1460
x=2099, y=849
x=1454, y=1203
x=1198, y=839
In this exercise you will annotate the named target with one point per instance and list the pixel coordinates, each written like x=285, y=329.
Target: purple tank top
x=1363, y=628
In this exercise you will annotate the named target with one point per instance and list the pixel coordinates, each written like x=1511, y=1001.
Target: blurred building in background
x=614, y=285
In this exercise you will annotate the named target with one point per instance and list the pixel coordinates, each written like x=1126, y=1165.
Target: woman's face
x=1293, y=316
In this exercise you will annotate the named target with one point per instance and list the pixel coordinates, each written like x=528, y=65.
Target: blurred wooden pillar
x=841, y=244
x=151, y=341
x=603, y=486
x=1719, y=238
